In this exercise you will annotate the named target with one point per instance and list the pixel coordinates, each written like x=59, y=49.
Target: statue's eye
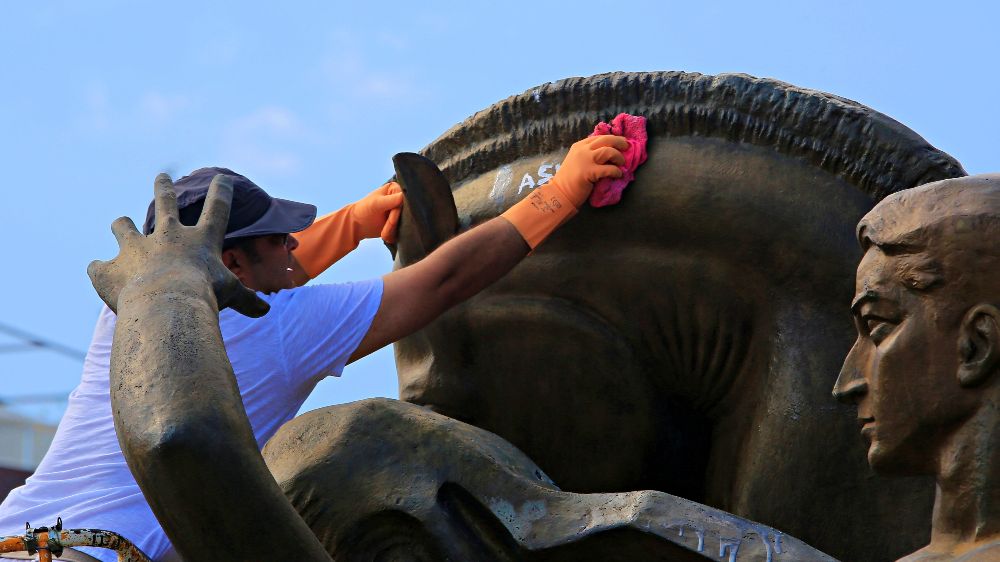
x=878, y=328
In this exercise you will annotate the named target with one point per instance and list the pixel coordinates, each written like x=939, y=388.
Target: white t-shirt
x=309, y=333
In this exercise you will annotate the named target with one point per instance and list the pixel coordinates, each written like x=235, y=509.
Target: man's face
x=901, y=372
x=268, y=269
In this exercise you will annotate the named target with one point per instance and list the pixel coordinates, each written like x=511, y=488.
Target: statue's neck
x=967, y=505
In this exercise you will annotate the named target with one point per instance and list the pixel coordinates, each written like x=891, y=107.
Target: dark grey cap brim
x=282, y=217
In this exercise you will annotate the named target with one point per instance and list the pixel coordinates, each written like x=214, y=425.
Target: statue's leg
x=381, y=478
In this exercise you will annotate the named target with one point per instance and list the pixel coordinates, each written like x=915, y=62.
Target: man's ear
x=233, y=260
x=979, y=345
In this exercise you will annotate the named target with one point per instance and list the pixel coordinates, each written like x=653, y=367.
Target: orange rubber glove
x=538, y=215
x=335, y=235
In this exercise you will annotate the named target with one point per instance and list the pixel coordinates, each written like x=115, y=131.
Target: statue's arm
x=177, y=409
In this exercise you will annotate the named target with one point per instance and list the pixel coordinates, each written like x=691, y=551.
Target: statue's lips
x=867, y=428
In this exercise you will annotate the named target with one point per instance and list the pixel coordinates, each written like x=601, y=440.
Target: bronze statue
x=381, y=479
x=684, y=340
x=686, y=344
x=469, y=496
x=925, y=369
x=196, y=461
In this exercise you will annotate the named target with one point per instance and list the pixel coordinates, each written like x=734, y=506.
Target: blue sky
x=311, y=100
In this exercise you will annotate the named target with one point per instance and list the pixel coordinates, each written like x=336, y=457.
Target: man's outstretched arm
x=415, y=295
x=336, y=234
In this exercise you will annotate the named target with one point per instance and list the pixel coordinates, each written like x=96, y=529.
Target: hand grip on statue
x=536, y=216
x=588, y=161
x=378, y=212
x=331, y=237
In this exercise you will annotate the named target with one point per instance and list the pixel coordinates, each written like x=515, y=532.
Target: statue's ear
x=979, y=345
x=429, y=216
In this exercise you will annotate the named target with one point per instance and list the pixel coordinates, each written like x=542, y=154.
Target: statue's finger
x=125, y=231
x=215, y=215
x=246, y=302
x=95, y=270
x=165, y=202
x=101, y=278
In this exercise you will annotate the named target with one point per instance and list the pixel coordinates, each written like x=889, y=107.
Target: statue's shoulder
x=988, y=552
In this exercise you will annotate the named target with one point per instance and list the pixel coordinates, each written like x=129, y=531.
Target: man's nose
x=851, y=384
x=291, y=243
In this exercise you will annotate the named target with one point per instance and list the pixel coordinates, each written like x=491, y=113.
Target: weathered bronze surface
x=386, y=480
x=924, y=369
x=685, y=340
x=177, y=409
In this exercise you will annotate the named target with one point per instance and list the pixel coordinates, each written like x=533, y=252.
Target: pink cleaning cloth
x=608, y=191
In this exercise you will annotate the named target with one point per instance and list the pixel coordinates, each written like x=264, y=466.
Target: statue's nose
x=851, y=384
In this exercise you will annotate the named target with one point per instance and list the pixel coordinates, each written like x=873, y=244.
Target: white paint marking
x=504, y=176
x=732, y=546
x=698, y=531
x=544, y=176
x=526, y=182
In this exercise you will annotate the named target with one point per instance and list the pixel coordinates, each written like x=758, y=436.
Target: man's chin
x=288, y=283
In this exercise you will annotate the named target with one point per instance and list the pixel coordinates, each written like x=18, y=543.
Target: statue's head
x=685, y=339
x=926, y=311
x=620, y=344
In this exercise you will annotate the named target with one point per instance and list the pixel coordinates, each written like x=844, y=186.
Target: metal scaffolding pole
x=33, y=342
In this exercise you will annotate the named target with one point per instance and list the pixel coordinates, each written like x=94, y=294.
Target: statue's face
x=901, y=372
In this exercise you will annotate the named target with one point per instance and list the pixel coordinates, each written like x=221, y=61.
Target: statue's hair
x=864, y=147
x=936, y=228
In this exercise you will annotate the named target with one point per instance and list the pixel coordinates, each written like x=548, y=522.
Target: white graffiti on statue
x=504, y=179
x=729, y=548
x=528, y=181
x=698, y=532
x=504, y=176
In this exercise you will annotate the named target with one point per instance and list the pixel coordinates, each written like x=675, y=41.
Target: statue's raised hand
x=176, y=259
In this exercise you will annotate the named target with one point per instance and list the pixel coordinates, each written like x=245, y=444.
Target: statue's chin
x=889, y=461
